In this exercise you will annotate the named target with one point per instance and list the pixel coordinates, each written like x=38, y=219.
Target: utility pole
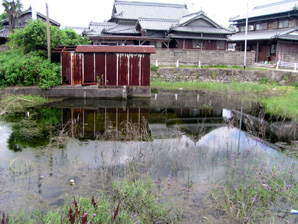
x=48, y=34
x=246, y=28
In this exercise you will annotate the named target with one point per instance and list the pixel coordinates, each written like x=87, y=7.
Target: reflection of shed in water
x=127, y=123
x=106, y=65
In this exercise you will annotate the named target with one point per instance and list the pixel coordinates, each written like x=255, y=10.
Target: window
x=251, y=27
x=274, y=25
x=220, y=44
x=273, y=49
x=258, y=27
x=243, y=28
x=199, y=44
x=265, y=26
x=283, y=24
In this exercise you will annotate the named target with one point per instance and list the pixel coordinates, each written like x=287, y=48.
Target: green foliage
x=3, y=16
x=257, y=189
x=19, y=69
x=286, y=105
x=154, y=68
x=33, y=38
x=13, y=11
x=129, y=202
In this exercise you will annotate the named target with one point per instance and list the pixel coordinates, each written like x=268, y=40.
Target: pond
x=188, y=135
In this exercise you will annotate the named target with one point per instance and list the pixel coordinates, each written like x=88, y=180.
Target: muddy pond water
x=190, y=136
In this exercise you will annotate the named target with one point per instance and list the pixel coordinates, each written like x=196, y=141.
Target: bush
x=33, y=38
x=19, y=69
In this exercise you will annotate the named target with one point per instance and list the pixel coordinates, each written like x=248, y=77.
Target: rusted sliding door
x=89, y=76
x=134, y=70
x=111, y=69
x=122, y=69
x=100, y=68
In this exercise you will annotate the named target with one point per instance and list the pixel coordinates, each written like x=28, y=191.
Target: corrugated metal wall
x=111, y=69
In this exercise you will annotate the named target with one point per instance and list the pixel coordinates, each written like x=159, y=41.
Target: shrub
x=19, y=69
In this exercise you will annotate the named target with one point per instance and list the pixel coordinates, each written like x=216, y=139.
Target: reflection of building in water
x=117, y=122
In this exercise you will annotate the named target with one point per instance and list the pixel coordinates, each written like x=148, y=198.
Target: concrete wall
x=170, y=57
x=224, y=75
x=3, y=48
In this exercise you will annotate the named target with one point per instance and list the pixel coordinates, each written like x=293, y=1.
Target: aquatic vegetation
x=260, y=187
x=129, y=202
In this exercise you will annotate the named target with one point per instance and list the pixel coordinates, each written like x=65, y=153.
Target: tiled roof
x=261, y=35
x=196, y=29
x=273, y=8
x=191, y=16
x=121, y=29
x=95, y=29
x=157, y=24
x=135, y=10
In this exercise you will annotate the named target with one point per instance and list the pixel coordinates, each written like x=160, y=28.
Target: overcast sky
x=80, y=13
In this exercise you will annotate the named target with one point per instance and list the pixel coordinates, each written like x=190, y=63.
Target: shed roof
x=268, y=9
x=135, y=10
x=116, y=49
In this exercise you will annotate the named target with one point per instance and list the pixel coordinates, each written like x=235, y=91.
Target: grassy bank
x=236, y=67
x=282, y=100
x=260, y=188
x=131, y=201
x=217, y=86
x=12, y=103
x=285, y=106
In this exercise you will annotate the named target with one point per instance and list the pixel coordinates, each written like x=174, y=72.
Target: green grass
x=217, y=86
x=129, y=202
x=155, y=68
x=286, y=105
x=13, y=103
x=258, y=189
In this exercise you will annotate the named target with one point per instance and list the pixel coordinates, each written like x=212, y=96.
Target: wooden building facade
x=106, y=65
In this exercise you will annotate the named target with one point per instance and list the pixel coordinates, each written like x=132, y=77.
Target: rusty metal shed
x=106, y=65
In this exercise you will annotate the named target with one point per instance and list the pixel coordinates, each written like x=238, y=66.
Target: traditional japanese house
x=272, y=30
x=22, y=21
x=197, y=31
x=161, y=25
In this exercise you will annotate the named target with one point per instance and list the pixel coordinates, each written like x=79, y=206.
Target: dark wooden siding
x=210, y=45
x=100, y=66
x=111, y=69
x=134, y=71
x=66, y=67
x=77, y=69
x=145, y=70
x=122, y=70
x=88, y=67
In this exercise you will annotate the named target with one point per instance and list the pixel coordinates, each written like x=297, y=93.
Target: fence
x=283, y=64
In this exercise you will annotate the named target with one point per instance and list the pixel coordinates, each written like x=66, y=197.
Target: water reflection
x=187, y=139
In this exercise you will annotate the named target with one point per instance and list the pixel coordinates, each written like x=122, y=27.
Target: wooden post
x=48, y=34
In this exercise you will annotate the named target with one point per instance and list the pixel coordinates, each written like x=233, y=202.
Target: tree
x=13, y=10
x=3, y=16
x=33, y=38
